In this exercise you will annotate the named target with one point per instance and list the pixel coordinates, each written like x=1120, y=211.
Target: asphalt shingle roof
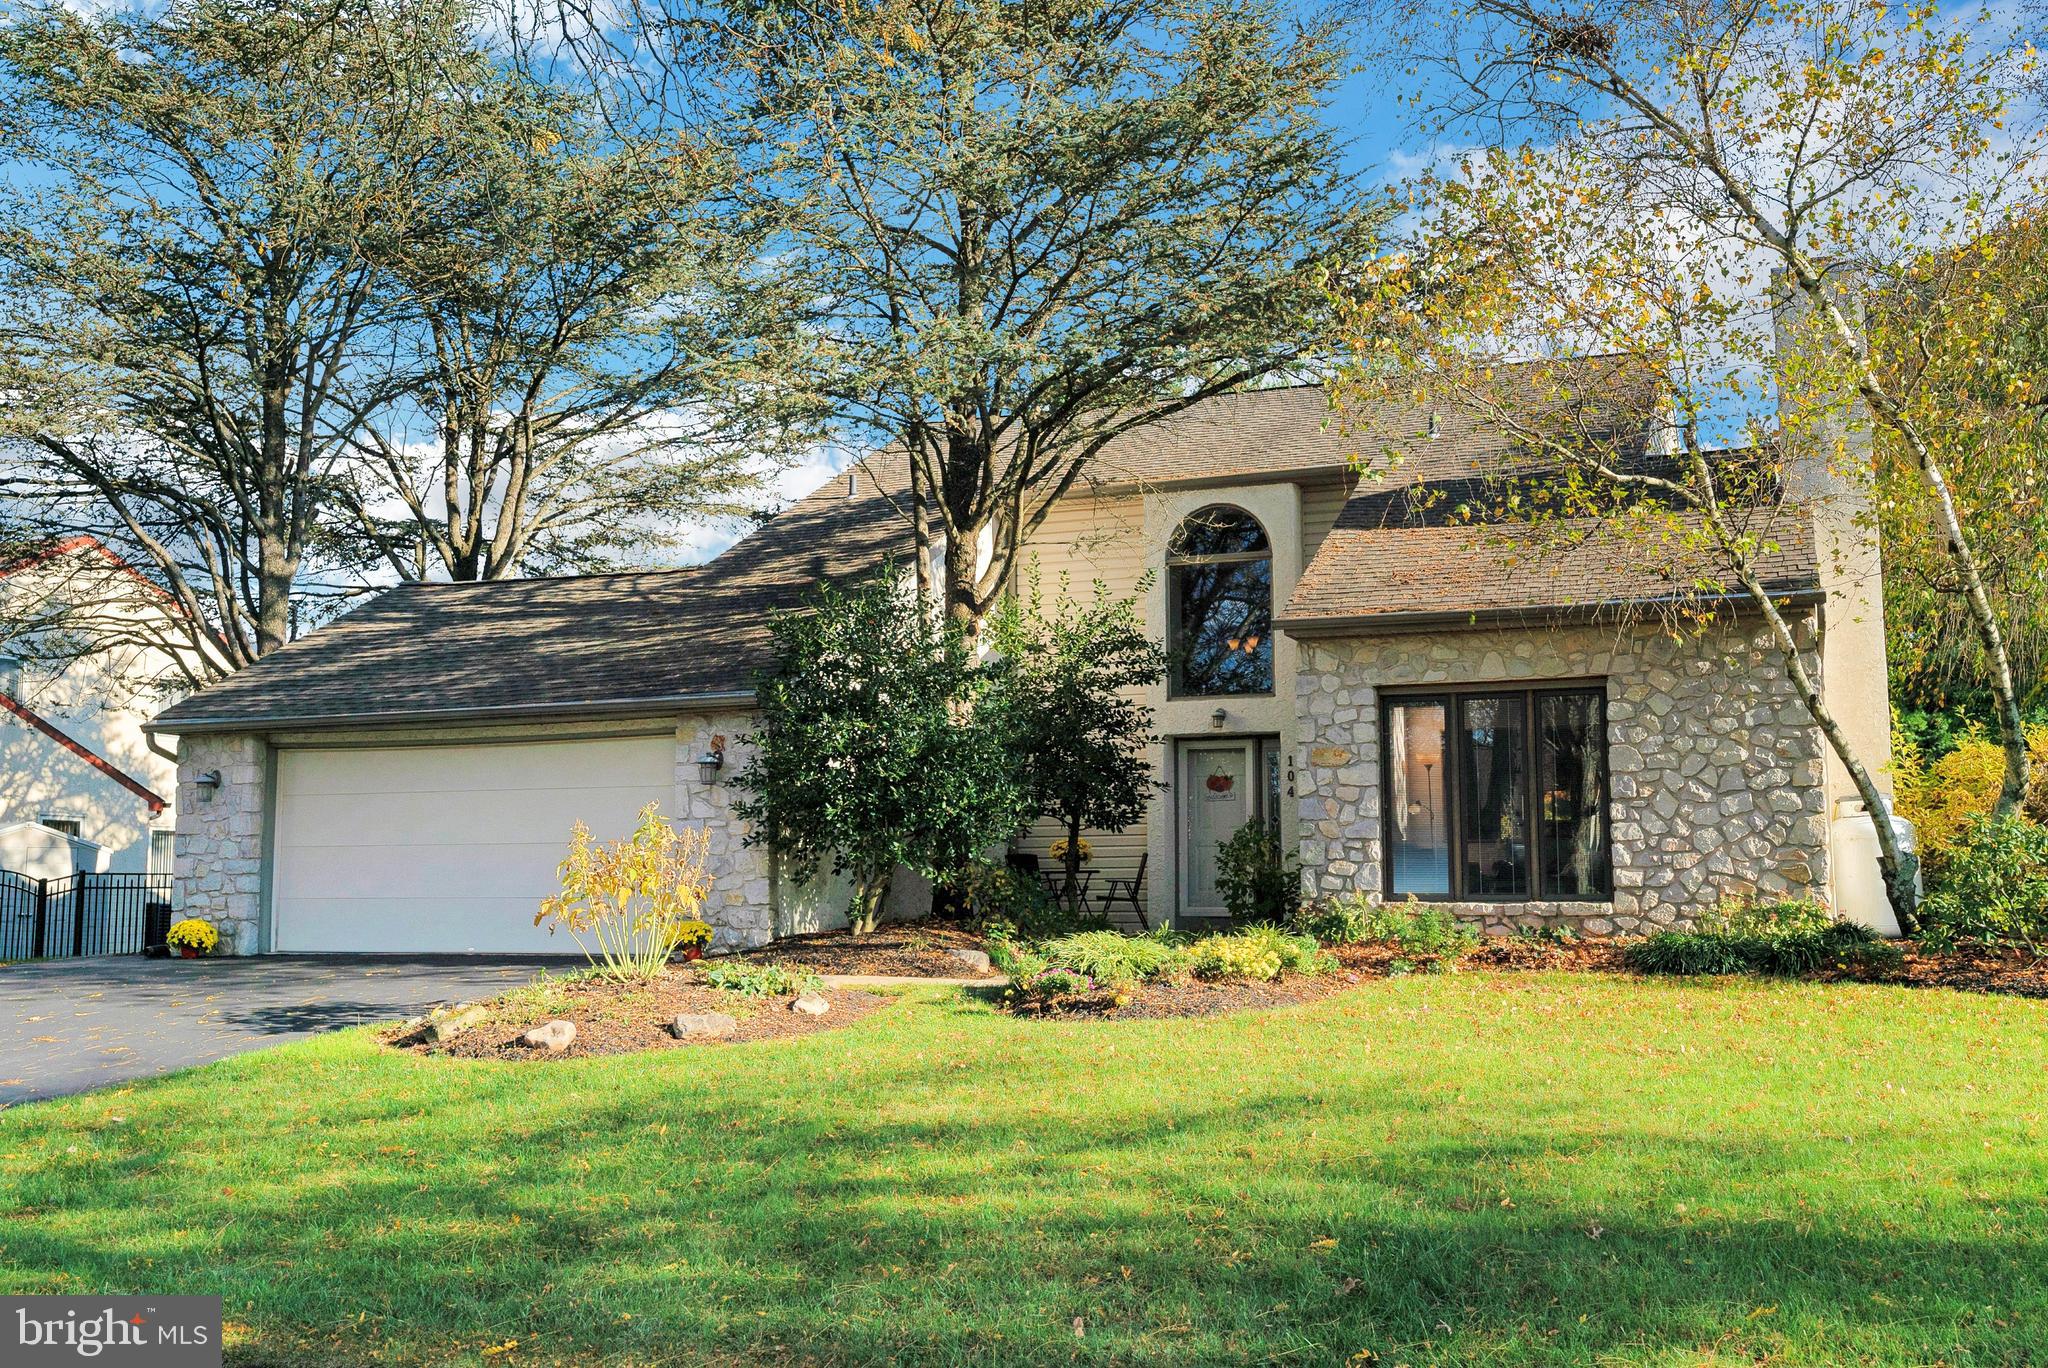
x=597, y=642
x=643, y=641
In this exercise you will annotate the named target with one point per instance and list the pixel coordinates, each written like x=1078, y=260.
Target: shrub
x=1414, y=928
x=1785, y=938
x=1339, y=921
x=1258, y=881
x=1113, y=958
x=1994, y=886
x=635, y=900
x=871, y=751
x=1010, y=904
x=761, y=980
x=1257, y=953
x=1942, y=796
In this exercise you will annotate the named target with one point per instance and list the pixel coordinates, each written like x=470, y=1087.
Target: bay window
x=1496, y=795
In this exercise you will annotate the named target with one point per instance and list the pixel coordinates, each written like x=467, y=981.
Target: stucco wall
x=1716, y=768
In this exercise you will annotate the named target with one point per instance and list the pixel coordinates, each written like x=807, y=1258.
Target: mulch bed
x=614, y=1018
x=1969, y=969
x=1190, y=998
x=916, y=949
x=1972, y=969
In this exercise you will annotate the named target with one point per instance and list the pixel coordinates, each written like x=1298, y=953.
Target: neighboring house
x=1414, y=714
x=80, y=785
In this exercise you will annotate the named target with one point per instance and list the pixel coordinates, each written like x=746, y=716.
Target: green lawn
x=1464, y=1170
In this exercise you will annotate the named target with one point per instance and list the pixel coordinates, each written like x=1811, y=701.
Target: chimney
x=1825, y=426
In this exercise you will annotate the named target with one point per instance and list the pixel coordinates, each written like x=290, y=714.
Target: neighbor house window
x=10, y=676
x=162, y=849
x=1220, y=592
x=1497, y=795
x=69, y=826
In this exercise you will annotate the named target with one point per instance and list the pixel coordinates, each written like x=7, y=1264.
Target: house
x=85, y=661
x=1417, y=716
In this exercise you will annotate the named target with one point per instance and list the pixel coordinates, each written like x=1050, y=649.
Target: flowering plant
x=693, y=932
x=193, y=934
x=630, y=904
x=1057, y=851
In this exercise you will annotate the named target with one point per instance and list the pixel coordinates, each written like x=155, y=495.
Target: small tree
x=1067, y=708
x=870, y=754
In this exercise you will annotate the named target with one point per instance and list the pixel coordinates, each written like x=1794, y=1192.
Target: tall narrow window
x=1571, y=820
x=1494, y=814
x=1220, y=592
x=1497, y=795
x=1419, y=849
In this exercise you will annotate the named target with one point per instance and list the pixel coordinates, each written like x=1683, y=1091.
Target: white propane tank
x=1853, y=852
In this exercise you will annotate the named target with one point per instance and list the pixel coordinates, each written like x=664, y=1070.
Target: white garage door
x=446, y=848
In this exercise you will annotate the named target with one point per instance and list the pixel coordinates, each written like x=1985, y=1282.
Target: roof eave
x=415, y=717
x=1367, y=624
x=1327, y=471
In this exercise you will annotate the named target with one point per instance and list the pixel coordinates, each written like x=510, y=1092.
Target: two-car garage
x=445, y=848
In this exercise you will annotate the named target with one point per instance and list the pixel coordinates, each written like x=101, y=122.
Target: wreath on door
x=1220, y=782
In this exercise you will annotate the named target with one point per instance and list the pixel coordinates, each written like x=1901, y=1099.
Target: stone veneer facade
x=741, y=908
x=218, y=850
x=1715, y=767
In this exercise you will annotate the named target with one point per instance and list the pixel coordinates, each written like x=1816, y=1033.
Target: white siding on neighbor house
x=449, y=847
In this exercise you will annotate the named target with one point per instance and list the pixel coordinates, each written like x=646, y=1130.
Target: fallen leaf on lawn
x=1079, y=1327
x=1325, y=1243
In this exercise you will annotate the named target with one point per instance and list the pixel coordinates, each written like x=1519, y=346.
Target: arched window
x=1219, y=584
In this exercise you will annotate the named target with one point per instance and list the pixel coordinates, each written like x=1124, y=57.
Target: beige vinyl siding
x=1320, y=505
x=1089, y=539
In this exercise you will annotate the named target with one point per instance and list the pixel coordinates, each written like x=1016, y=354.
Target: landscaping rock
x=975, y=960
x=444, y=1026
x=703, y=1025
x=810, y=1004
x=554, y=1037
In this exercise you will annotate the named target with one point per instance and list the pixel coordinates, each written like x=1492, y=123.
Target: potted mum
x=192, y=937
x=691, y=938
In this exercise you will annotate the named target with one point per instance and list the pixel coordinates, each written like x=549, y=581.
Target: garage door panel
x=445, y=848
x=614, y=762
x=414, y=926
x=410, y=819
x=451, y=871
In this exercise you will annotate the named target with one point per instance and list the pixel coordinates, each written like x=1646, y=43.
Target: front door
x=1222, y=786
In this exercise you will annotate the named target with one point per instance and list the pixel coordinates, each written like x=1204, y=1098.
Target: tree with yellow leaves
x=1682, y=208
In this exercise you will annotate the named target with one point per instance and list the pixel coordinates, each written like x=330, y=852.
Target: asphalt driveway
x=70, y=1025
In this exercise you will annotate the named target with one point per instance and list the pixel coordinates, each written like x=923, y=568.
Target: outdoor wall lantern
x=1218, y=718
x=711, y=762
x=209, y=784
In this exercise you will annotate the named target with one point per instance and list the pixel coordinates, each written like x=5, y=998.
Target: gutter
x=1366, y=624
x=503, y=712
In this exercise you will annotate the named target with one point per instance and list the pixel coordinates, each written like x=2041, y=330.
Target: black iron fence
x=82, y=914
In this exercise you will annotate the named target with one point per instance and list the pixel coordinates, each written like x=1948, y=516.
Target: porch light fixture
x=711, y=762
x=208, y=783
x=1218, y=718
